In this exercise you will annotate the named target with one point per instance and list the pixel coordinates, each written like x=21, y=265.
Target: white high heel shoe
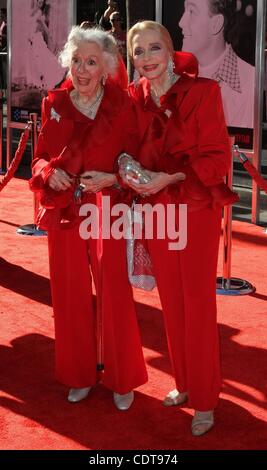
x=77, y=394
x=175, y=398
x=202, y=422
x=123, y=402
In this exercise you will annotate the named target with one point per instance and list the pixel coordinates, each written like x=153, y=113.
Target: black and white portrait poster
x=222, y=35
x=39, y=31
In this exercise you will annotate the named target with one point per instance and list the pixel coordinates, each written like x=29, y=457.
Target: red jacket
x=71, y=141
x=193, y=140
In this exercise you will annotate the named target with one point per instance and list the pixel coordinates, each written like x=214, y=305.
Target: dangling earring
x=170, y=70
x=104, y=79
x=136, y=78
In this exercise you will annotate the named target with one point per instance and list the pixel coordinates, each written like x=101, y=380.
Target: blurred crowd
x=111, y=20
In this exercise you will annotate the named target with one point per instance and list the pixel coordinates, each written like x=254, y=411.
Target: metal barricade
x=31, y=229
x=227, y=285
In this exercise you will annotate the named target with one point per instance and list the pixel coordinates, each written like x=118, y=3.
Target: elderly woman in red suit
x=84, y=129
x=185, y=147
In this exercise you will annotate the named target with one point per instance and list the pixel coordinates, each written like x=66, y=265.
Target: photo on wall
x=222, y=35
x=39, y=30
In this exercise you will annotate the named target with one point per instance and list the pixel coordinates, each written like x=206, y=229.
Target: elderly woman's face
x=150, y=54
x=87, y=68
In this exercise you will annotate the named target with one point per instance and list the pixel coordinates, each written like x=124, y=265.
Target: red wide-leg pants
x=186, y=282
x=71, y=261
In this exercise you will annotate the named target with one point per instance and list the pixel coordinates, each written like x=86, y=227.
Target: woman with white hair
x=85, y=127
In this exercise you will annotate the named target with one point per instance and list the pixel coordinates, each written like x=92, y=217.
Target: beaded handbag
x=140, y=268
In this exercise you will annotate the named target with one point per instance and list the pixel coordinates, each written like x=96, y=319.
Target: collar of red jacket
x=186, y=66
x=111, y=105
x=185, y=63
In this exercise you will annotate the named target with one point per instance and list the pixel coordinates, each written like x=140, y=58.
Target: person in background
x=104, y=21
x=208, y=27
x=41, y=49
x=85, y=126
x=185, y=147
x=41, y=13
x=118, y=33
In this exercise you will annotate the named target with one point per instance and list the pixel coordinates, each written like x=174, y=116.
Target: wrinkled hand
x=59, y=180
x=94, y=181
x=159, y=181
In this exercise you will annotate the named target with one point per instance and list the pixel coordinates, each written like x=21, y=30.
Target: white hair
x=105, y=41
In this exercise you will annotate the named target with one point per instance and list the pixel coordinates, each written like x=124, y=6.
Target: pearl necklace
x=88, y=109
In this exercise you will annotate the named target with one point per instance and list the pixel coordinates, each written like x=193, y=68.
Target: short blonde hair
x=154, y=26
x=105, y=41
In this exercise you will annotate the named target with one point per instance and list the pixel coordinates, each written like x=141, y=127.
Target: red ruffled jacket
x=71, y=141
x=193, y=140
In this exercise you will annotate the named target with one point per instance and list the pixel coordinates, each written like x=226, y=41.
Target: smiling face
x=197, y=26
x=87, y=68
x=150, y=54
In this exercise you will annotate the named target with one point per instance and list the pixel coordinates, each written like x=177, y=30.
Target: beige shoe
x=77, y=394
x=202, y=422
x=175, y=398
x=123, y=402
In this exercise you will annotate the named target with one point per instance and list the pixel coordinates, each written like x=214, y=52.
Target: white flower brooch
x=55, y=115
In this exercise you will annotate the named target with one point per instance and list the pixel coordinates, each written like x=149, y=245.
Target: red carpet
x=34, y=413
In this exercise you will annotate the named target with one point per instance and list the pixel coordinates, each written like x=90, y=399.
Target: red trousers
x=186, y=282
x=75, y=324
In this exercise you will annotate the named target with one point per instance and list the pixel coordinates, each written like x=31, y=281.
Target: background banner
x=222, y=35
x=39, y=30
